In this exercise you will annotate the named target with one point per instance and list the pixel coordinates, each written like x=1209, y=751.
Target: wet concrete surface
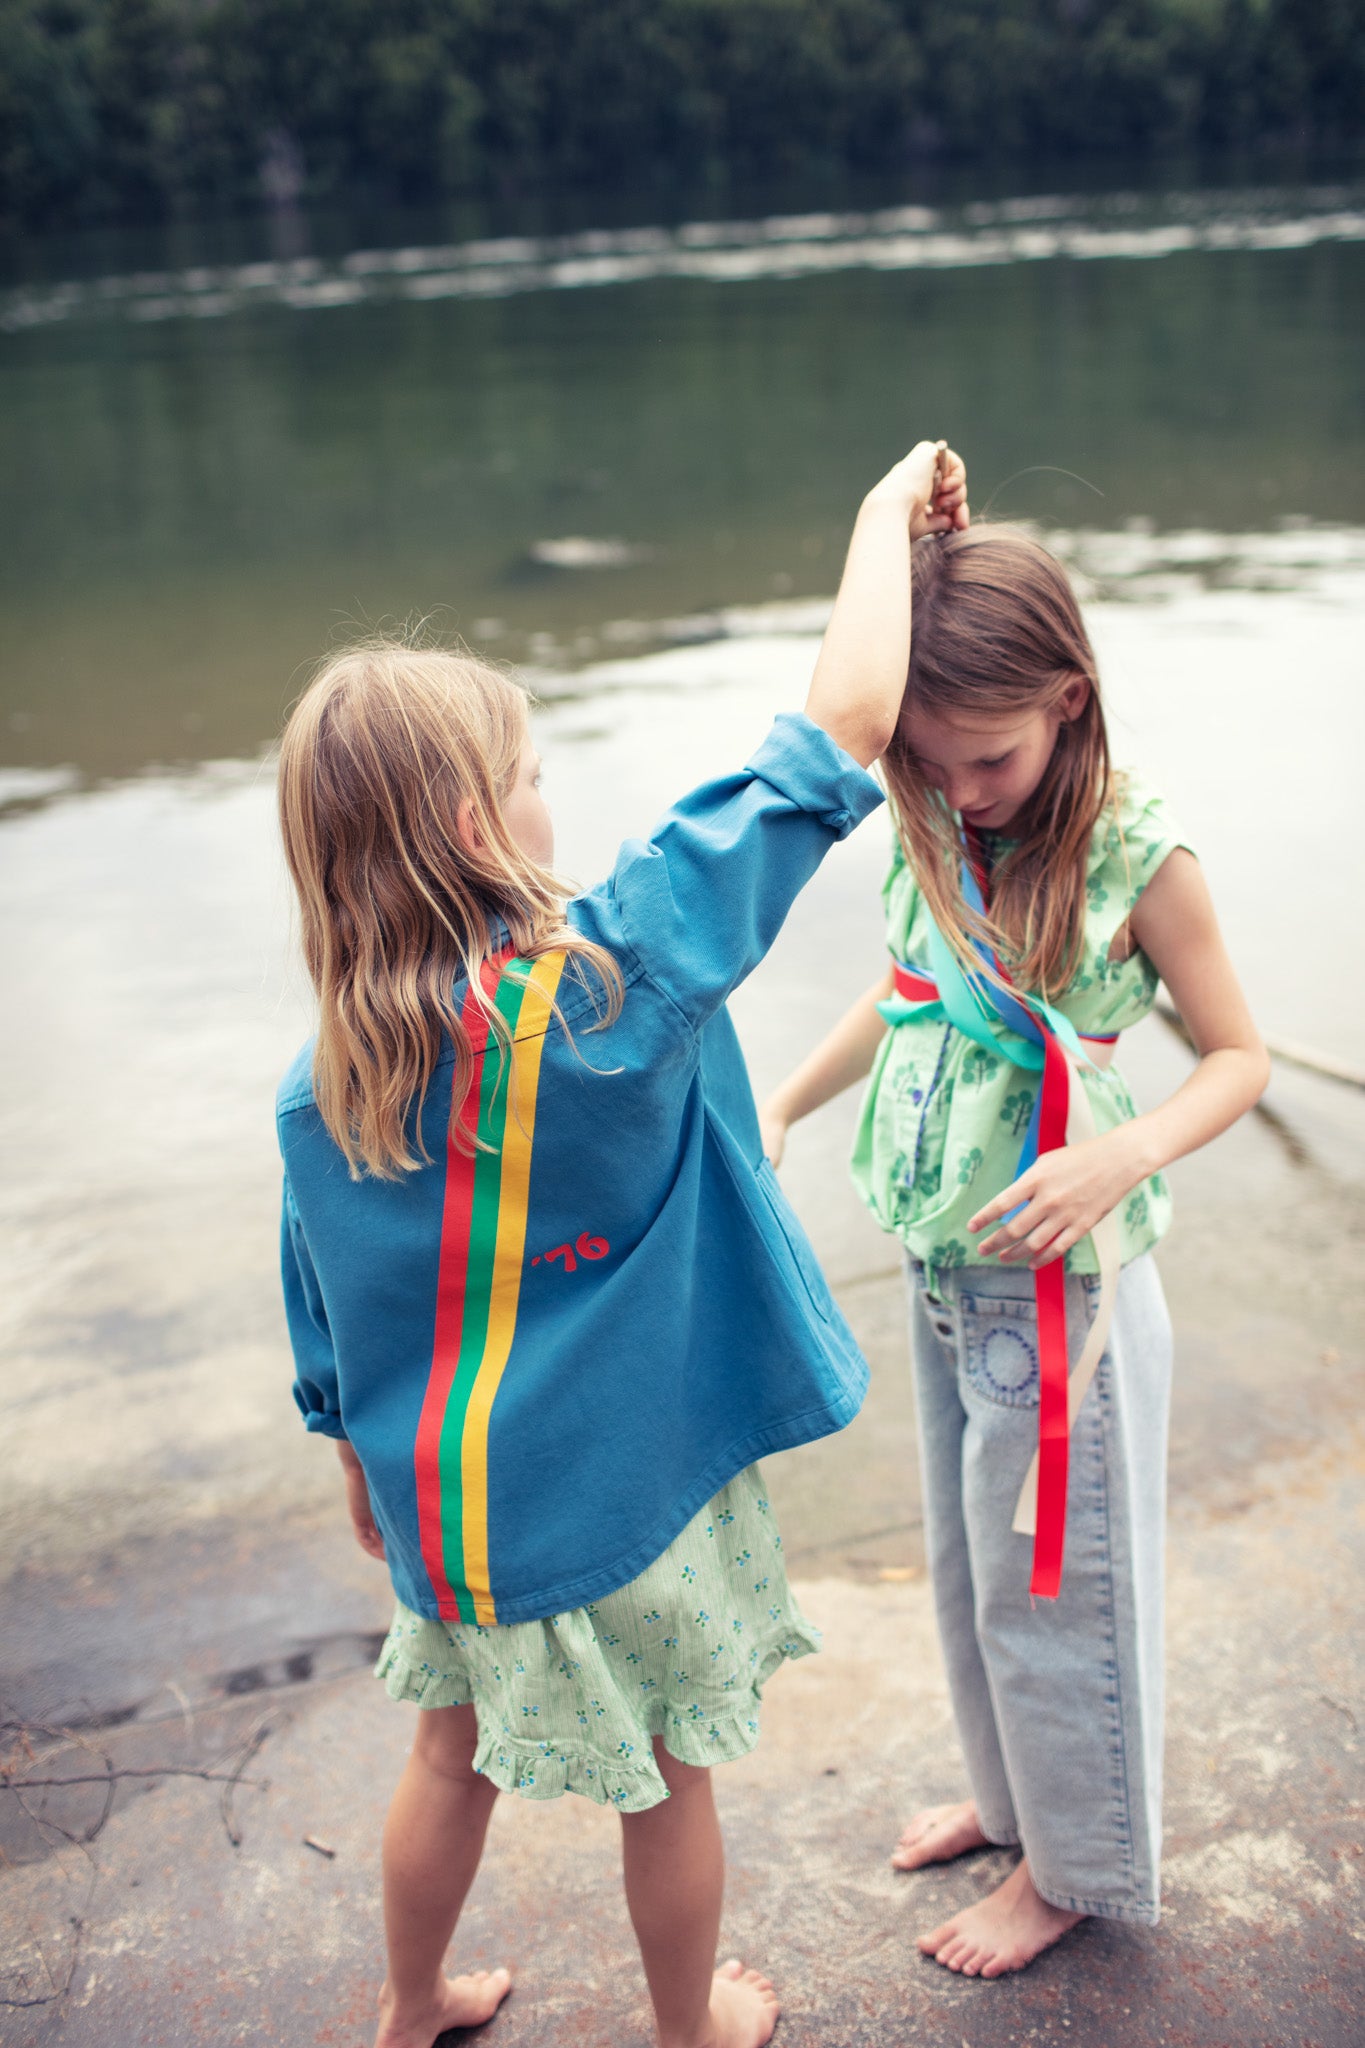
x=163, y=1929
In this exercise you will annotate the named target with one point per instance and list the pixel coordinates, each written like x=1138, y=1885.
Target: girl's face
x=525, y=811
x=988, y=769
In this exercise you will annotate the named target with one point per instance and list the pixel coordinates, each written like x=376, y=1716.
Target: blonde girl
x=1034, y=899
x=542, y=1287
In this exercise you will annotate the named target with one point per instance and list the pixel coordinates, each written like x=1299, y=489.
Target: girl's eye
x=999, y=762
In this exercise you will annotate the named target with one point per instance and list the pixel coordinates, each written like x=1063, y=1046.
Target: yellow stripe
x=508, y=1254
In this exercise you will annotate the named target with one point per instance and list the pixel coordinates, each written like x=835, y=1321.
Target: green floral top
x=943, y=1119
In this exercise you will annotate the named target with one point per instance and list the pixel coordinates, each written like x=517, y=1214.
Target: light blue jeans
x=1059, y=1703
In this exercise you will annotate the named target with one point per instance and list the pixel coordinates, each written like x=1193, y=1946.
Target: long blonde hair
x=996, y=632
x=383, y=748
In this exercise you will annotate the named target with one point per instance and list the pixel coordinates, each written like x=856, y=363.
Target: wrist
x=1142, y=1153
x=778, y=1110
x=891, y=499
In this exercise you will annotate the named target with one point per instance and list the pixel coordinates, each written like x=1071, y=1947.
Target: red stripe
x=913, y=986
x=1049, y=1289
x=452, y=1273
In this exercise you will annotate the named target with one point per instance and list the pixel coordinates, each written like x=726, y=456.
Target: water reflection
x=1030, y=229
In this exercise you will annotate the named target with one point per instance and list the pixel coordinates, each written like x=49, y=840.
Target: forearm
x=859, y=679
x=1224, y=1085
x=1066, y=1191
x=841, y=1059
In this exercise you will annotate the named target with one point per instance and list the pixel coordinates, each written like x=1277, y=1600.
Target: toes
x=481, y=1992
x=734, y=1969
x=951, y=1948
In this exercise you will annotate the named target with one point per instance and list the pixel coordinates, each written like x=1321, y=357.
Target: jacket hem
x=542, y=1603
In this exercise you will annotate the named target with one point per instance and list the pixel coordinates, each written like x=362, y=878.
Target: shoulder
x=296, y=1089
x=1133, y=836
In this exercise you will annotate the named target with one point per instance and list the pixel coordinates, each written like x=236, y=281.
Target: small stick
x=312, y=1842
x=210, y=1777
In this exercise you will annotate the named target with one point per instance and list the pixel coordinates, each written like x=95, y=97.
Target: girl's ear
x=1074, y=699
x=466, y=831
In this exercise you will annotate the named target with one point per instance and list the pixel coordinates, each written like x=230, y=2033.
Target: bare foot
x=743, y=2009
x=458, y=2002
x=1005, y=1931
x=937, y=1835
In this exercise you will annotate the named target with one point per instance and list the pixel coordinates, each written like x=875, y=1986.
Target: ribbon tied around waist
x=1042, y=1041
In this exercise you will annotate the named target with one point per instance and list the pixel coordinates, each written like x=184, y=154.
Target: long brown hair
x=996, y=632
x=384, y=746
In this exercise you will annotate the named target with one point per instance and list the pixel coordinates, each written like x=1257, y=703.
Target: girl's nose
x=959, y=794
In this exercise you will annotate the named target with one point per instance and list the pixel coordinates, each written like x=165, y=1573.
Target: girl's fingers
x=1009, y=1198
x=1004, y=1241
x=1058, y=1248
x=1027, y=1234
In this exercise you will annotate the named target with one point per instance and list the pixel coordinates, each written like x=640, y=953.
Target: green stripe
x=483, y=1238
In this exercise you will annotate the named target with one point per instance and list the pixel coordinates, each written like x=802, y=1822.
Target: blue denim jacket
x=548, y=1357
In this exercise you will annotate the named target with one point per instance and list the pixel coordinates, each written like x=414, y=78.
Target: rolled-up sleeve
x=315, y=1373
x=701, y=901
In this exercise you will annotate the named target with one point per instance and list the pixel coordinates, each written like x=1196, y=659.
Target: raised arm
x=859, y=679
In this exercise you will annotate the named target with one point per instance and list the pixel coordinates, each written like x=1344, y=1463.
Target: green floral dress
x=572, y=1704
x=943, y=1118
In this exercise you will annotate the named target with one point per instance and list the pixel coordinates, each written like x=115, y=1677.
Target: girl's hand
x=1065, y=1193
x=929, y=486
x=773, y=1131
x=358, y=1504
x=948, y=511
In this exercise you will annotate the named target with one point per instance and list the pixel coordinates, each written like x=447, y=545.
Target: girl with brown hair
x=543, y=1289
x=1034, y=899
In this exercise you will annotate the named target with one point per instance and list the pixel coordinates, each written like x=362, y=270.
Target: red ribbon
x=1049, y=1281
x=1049, y=1293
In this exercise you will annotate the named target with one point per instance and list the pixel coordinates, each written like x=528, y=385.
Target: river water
x=628, y=460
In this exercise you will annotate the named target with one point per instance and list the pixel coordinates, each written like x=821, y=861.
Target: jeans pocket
x=1000, y=1348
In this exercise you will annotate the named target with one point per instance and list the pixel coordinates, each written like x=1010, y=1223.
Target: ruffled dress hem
x=628, y=1778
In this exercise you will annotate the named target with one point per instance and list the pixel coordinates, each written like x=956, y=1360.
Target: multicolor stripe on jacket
x=550, y=1353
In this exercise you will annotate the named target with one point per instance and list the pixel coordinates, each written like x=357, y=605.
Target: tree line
x=130, y=110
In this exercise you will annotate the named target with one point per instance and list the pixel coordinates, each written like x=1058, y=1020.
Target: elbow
x=881, y=732
x=865, y=737
x=1260, y=1072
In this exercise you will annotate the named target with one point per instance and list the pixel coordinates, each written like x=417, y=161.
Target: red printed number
x=585, y=1246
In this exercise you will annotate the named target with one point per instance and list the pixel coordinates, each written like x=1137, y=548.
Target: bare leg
x=938, y=1834
x=675, y=1879
x=433, y=1839
x=1003, y=1931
